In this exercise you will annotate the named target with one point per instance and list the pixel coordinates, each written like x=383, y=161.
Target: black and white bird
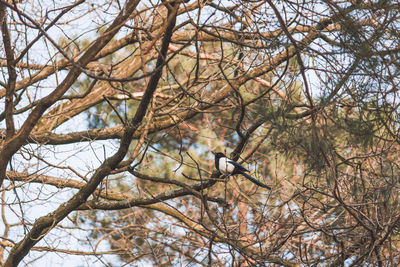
x=228, y=166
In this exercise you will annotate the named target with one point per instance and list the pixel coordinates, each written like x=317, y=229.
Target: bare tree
x=111, y=110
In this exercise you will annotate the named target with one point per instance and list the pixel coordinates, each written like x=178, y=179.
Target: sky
x=79, y=156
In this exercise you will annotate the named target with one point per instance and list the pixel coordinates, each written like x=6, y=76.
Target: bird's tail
x=255, y=181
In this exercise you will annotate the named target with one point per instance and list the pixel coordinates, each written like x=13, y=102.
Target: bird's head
x=218, y=155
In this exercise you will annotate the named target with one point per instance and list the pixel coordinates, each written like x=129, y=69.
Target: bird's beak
x=213, y=152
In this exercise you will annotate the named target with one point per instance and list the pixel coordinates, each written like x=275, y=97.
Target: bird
x=228, y=166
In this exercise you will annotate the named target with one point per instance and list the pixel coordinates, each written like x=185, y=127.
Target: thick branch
x=12, y=75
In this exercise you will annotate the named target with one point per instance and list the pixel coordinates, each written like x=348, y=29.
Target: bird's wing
x=239, y=166
x=255, y=181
